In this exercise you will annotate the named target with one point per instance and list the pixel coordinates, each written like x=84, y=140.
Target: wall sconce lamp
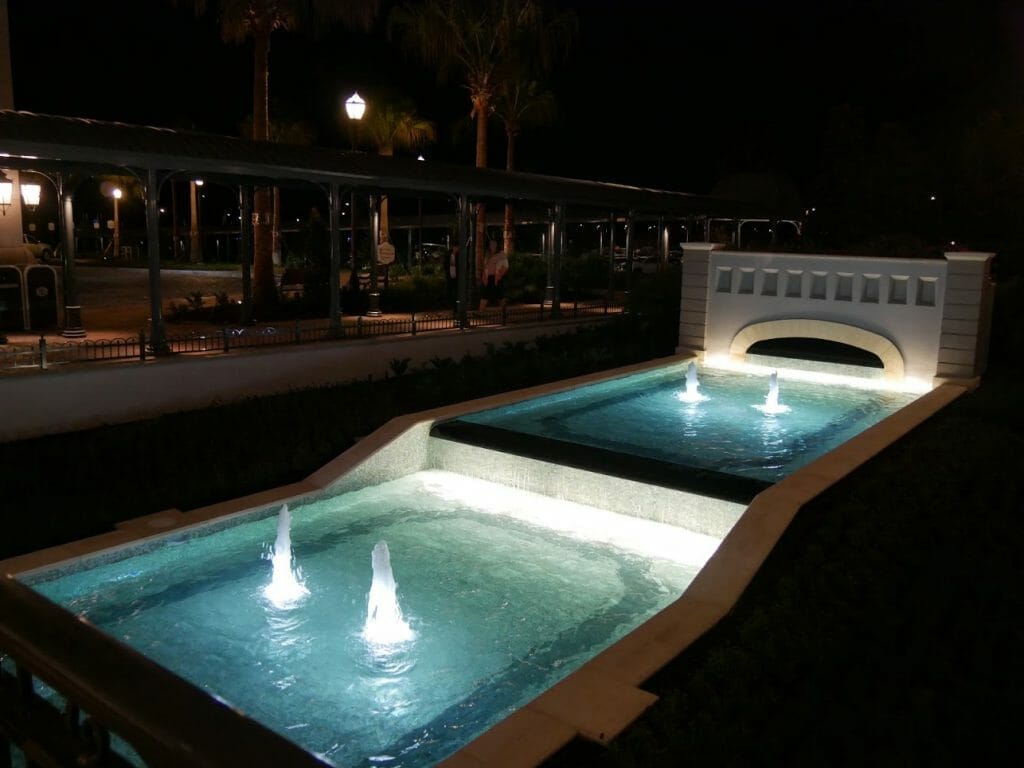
x=30, y=195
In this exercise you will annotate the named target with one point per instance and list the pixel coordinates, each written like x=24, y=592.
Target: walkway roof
x=37, y=142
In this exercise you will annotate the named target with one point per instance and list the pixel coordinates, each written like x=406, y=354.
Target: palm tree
x=520, y=103
x=241, y=20
x=392, y=125
x=480, y=40
x=282, y=131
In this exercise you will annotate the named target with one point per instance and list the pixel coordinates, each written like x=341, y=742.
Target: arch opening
x=809, y=330
x=819, y=350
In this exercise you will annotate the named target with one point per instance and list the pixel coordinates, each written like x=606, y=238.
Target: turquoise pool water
x=504, y=593
x=641, y=426
x=500, y=592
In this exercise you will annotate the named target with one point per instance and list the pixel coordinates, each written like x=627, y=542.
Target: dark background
x=864, y=110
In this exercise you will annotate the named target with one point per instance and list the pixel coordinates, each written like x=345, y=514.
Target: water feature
x=771, y=405
x=502, y=593
x=384, y=622
x=691, y=393
x=635, y=426
x=285, y=588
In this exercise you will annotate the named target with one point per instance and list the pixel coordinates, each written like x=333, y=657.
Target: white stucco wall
x=923, y=317
x=899, y=299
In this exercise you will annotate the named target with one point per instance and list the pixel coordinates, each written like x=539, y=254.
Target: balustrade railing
x=224, y=340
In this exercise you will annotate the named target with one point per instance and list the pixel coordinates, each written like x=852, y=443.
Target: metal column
x=158, y=335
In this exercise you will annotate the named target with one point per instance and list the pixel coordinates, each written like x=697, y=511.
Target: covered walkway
x=68, y=150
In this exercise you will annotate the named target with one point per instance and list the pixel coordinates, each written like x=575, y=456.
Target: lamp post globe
x=355, y=106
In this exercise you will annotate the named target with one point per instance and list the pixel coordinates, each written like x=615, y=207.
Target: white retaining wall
x=64, y=399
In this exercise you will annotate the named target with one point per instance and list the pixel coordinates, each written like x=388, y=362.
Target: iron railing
x=224, y=340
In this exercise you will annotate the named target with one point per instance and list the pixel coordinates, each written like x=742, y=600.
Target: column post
x=966, y=315
x=693, y=298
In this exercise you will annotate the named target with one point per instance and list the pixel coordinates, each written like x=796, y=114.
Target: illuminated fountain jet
x=384, y=622
x=285, y=588
x=771, y=401
x=690, y=394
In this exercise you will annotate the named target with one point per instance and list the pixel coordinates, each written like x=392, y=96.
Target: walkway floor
x=115, y=304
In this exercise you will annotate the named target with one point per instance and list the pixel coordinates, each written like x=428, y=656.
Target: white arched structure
x=926, y=319
x=885, y=350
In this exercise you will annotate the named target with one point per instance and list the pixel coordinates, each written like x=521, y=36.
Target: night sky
x=675, y=95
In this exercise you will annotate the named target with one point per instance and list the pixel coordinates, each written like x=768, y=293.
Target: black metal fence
x=43, y=354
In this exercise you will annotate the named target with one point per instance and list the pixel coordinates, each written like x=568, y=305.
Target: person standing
x=493, y=278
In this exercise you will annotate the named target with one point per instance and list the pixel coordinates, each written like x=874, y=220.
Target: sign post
x=386, y=257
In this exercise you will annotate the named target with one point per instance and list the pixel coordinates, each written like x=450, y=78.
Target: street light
x=355, y=107
x=195, y=245
x=116, y=194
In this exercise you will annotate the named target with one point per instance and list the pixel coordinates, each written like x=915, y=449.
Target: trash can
x=12, y=304
x=41, y=291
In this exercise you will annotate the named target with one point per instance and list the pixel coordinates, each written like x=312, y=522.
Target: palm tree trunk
x=385, y=225
x=175, y=233
x=481, y=106
x=510, y=220
x=276, y=224
x=264, y=292
x=195, y=242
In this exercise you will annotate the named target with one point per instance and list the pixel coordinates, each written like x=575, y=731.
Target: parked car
x=41, y=252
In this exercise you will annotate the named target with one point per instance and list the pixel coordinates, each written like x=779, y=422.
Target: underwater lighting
x=580, y=521
x=815, y=375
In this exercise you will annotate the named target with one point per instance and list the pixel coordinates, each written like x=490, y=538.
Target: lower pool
x=497, y=594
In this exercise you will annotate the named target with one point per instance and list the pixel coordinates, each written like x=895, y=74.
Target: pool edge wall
x=604, y=696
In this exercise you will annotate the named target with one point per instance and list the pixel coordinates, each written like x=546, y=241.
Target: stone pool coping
x=604, y=695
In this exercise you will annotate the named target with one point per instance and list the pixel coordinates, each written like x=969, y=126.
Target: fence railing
x=43, y=354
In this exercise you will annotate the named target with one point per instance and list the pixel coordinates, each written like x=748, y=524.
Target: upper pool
x=723, y=433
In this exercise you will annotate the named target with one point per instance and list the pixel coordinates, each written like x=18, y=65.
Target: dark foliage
x=883, y=629
x=64, y=487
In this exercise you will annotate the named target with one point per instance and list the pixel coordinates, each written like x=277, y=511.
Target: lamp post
x=63, y=185
x=355, y=108
x=195, y=245
x=116, y=194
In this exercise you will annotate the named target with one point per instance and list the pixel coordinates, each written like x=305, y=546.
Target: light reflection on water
x=500, y=604
x=739, y=416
